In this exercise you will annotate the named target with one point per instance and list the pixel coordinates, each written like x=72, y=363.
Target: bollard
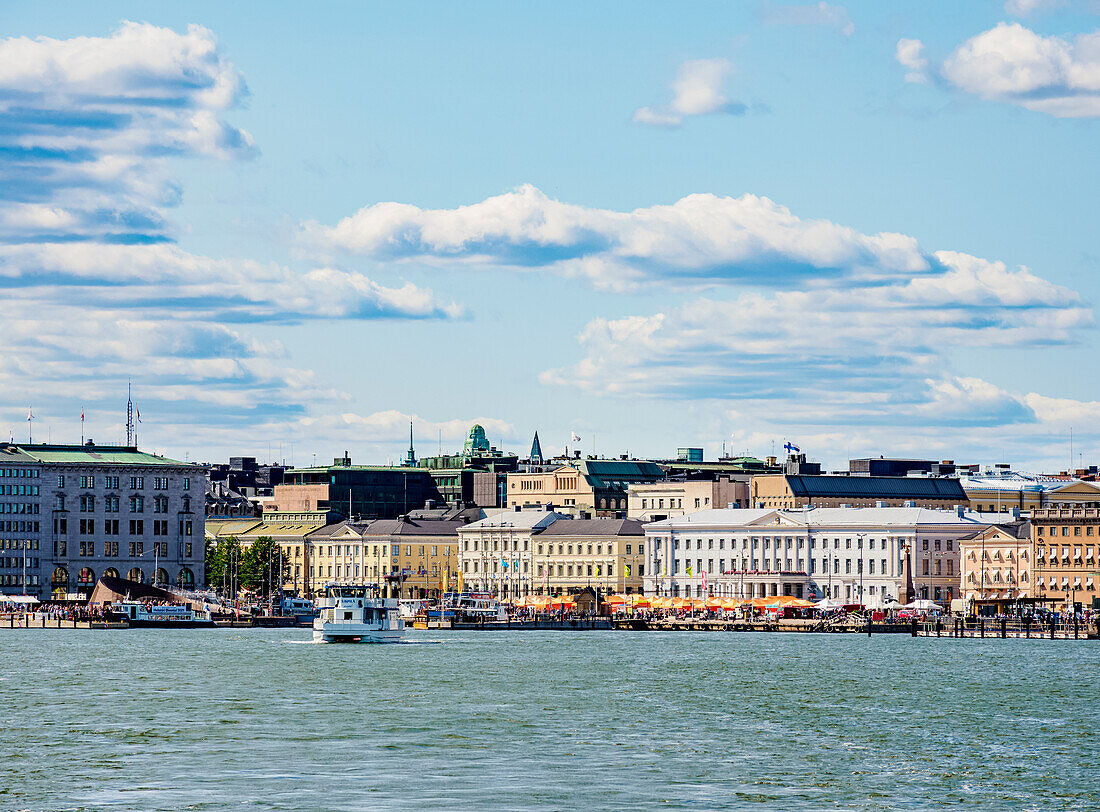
x=1004, y=628
x=1052, y=628
x=939, y=626
x=1027, y=627
x=981, y=627
x=1075, y=627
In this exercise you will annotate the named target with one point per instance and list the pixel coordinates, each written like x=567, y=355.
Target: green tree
x=260, y=567
x=223, y=563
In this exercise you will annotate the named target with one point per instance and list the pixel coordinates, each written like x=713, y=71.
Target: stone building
x=801, y=490
x=1066, y=544
x=71, y=513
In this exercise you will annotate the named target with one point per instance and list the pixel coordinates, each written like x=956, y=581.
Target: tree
x=223, y=563
x=260, y=567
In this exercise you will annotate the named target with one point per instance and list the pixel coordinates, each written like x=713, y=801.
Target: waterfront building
x=343, y=491
x=733, y=466
x=1066, y=544
x=996, y=562
x=495, y=554
x=795, y=491
x=999, y=489
x=894, y=466
x=655, y=501
x=851, y=554
x=72, y=513
x=607, y=555
x=593, y=486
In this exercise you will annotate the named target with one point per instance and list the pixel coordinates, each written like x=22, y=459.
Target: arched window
x=186, y=578
x=162, y=577
x=603, y=504
x=60, y=577
x=86, y=577
x=110, y=572
x=136, y=575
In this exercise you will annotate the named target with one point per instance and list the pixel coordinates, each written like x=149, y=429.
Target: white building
x=844, y=553
x=495, y=554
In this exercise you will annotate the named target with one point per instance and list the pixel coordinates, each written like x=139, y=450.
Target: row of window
x=111, y=502
x=18, y=526
x=111, y=527
x=1053, y=531
x=18, y=490
x=18, y=544
x=10, y=563
x=16, y=579
x=19, y=508
x=792, y=543
x=87, y=549
x=19, y=473
x=160, y=483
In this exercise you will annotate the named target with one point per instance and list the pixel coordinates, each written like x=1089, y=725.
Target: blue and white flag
x=791, y=447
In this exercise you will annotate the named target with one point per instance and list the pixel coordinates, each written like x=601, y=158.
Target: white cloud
x=1024, y=8
x=1012, y=64
x=697, y=90
x=700, y=239
x=910, y=54
x=819, y=14
x=94, y=290
x=839, y=357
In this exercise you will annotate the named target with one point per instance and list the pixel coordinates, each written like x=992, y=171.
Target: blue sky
x=866, y=228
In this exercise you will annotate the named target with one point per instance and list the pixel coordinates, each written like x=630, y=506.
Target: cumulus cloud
x=817, y=14
x=95, y=291
x=700, y=239
x=1012, y=64
x=91, y=121
x=910, y=54
x=862, y=356
x=697, y=90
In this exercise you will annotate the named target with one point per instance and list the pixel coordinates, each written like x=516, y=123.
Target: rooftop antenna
x=129, y=414
x=30, y=418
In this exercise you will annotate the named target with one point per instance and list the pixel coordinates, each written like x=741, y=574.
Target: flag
x=689, y=570
x=576, y=439
x=30, y=413
x=139, y=415
x=791, y=447
x=704, y=580
x=627, y=570
x=81, y=415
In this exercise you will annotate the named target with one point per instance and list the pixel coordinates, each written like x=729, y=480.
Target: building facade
x=495, y=554
x=607, y=555
x=997, y=562
x=72, y=513
x=1066, y=543
x=795, y=491
x=854, y=555
x=1002, y=490
x=353, y=491
x=674, y=497
x=591, y=486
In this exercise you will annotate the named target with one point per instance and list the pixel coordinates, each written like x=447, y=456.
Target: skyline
x=862, y=229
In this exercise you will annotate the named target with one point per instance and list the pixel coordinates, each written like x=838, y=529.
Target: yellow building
x=594, y=486
x=996, y=563
x=291, y=536
x=1000, y=490
x=1067, y=556
x=406, y=558
x=607, y=555
x=654, y=502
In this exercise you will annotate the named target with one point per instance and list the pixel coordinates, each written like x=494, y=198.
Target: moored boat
x=161, y=616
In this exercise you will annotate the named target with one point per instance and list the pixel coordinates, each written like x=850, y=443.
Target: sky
x=863, y=229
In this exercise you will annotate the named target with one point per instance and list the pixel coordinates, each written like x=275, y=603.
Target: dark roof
x=619, y=473
x=408, y=527
x=877, y=487
x=132, y=589
x=594, y=527
x=1019, y=530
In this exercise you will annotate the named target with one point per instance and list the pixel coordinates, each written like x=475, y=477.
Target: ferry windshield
x=347, y=591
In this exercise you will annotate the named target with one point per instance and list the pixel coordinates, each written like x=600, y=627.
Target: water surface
x=261, y=719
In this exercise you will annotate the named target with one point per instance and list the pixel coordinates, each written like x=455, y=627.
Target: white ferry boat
x=479, y=608
x=348, y=615
x=137, y=614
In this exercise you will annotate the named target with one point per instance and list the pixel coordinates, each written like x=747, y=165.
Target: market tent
x=661, y=603
x=615, y=600
x=923, y=605
x=563, y=602
x=881, y=603
x=21, y=599
x=639, y=601
x=829, y=603
x=799, y=603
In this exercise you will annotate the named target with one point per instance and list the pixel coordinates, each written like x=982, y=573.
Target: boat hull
x=349, y=634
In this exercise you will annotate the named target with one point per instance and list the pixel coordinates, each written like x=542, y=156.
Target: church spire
x=536, y=450
x=410, y=455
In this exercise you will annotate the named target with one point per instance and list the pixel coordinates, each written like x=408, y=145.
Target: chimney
x=1015, y=513
x=960, y=511
x=516, y=508
x=880, y=503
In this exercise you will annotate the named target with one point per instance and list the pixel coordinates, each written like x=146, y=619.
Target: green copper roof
x=92, y=455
